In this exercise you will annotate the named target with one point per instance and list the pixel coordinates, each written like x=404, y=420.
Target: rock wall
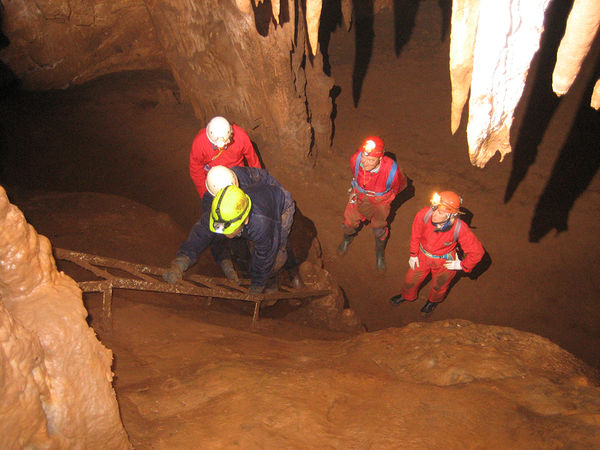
x=229, y=58
x=57, y=44
x=55, y=381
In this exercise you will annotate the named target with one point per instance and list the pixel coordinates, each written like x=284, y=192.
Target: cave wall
x=224, y=66
x=259, y=63
x=228, y=57
x=56, y=44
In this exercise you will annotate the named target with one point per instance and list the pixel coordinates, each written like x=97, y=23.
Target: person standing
x=437, y=231
x=376, y=182
x=219, y=144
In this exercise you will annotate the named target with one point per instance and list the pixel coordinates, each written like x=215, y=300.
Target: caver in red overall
x=206, y=154
x=433, y=250
x=376, y=182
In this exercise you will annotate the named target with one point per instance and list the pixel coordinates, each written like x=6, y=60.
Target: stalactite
x=313, y=17
x=582, y=27
x=465, y=14
x=508, y=35
x=595, y=102
x=276, y=8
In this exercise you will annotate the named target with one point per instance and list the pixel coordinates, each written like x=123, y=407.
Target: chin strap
x=439, y=228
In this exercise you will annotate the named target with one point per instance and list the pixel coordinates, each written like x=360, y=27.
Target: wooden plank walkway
x=143, y=277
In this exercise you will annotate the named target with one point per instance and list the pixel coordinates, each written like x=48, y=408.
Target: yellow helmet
x=229, y=210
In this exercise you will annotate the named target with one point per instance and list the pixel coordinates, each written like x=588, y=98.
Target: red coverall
x=362, y=206
x=439, y=244
x=203, y=156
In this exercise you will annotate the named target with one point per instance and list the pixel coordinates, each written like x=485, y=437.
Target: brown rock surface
x=193, y=375
x=56, y=384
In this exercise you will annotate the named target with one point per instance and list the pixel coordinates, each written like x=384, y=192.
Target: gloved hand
x=173, y=275
x=413, y=262
x=175, y=272
x=255, y=290
x=453, y=265
x=229, y=271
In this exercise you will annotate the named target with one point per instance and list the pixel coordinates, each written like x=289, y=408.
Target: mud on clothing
x=203, y=155
x=441, y=246
x=264, y=229
x=367, y=205
x=248, y=176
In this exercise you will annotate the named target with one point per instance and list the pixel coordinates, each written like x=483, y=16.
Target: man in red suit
x=219, y=144
x=436, y=233
x=377, y=180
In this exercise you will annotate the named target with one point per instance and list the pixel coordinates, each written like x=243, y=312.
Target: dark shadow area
x=573, y=171
x=263, y=16
x=446, y=8
x=302, y=235
x=364, y=34
x=334, y=93
x=402, y=197
x=331, y=19
x=405, y=12
x=542, y=101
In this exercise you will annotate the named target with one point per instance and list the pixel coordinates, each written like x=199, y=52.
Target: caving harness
x=388, y=183
x=447, y=256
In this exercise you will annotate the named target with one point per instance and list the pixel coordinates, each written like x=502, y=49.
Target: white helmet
x=219, y=131
x=219, y=177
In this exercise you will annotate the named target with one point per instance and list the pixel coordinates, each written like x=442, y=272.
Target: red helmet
x=447, y=201
x=373, y=146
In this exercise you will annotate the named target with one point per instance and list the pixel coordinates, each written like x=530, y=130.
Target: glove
x=229, y=271
x=175, y=272
x=453, y=265
x=413, y=262
x=173, y=275
x=255, y=290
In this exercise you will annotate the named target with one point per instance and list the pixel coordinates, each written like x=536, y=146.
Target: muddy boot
x=343, y=247
x=397, y=300
x=379, y=254
x=272, y=285
x=428, y=308
x=271, y=288
x=295, y=278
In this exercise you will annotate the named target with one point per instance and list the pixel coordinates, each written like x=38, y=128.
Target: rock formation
x=55, y=376
x=259, y=63
x=492, y=45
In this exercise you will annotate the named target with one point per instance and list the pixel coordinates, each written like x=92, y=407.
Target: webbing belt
x=447, y=256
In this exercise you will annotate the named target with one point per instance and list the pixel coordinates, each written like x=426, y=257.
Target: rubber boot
x=428, y=308
x=295, y=278
x=343, y=247
x=271, y=287
x=379, y=254
x=397, y=300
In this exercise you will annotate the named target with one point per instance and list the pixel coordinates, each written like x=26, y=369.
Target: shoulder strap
x=457, y=229
x=427, y=215
x=357, y=166
x=391, y=175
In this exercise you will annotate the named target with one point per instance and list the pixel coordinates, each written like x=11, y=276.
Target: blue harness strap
x=388, y=183
x=428, y=215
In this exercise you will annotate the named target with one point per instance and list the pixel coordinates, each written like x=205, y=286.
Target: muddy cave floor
x=128, y=136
